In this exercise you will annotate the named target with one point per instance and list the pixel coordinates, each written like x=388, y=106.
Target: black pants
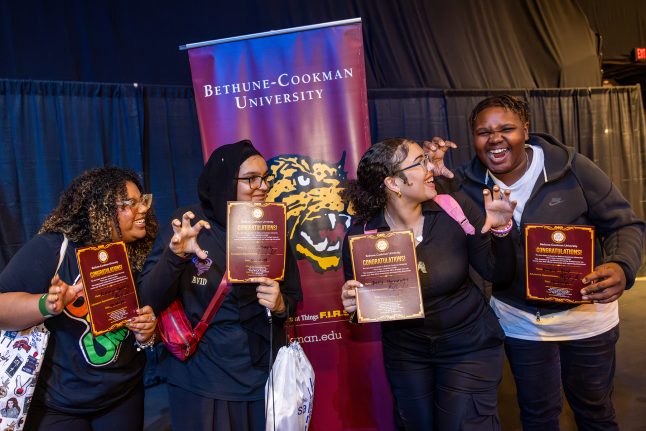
x=585, y=368
x=444, y=384
x=193, y=412
x=125, y=415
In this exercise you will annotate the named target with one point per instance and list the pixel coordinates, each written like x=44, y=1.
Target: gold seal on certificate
x=255, y=240
x=557, y=258
x=109, y=287
x=386, y=264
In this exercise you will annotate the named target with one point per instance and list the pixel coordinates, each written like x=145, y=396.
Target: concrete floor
x=630, y=377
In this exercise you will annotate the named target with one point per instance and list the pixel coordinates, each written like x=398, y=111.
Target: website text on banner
x=300, y=96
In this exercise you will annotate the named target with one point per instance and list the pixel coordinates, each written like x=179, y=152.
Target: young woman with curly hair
x=444, y=369
x=86, y=382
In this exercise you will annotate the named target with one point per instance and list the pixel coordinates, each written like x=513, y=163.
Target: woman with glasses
x=221, y=386
x=444, y=369
x=86, y=382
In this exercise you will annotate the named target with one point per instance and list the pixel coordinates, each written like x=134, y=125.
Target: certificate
x=109, y=287
x=255, y=240
x=386, y=264
x=557, y=258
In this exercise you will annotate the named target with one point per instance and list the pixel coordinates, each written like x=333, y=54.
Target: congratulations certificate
x=386, y=264
x=109, y=288
x=255, y=240
x=557, y=258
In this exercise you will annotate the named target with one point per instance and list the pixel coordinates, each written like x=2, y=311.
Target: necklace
x=526, y=158
x=418, y=236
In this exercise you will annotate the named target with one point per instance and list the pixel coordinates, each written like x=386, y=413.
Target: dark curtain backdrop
x=605, y=124
x=408, y=43
x=172, y=150
x=52, y=131
x=49, y=133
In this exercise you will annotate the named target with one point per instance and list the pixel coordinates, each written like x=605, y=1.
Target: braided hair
x=367, y=194
x=510, y=103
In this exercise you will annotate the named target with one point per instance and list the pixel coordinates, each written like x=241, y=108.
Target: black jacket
x=232, y=359
x=575, y=191
x=451, y=299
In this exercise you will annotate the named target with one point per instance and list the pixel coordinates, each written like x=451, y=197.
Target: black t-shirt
x=80, y=373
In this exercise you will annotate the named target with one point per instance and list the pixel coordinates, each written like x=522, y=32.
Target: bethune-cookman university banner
x=300, y=96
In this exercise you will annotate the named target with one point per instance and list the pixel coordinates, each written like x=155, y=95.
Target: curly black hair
x=367, y=194
x=87, y=211
x=511, y=103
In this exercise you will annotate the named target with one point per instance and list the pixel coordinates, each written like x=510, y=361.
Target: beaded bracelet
x=500, y=233
x=42, y=306
x=146, y=345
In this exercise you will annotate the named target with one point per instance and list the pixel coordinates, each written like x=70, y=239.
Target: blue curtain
x=172, y=148
x=52, y=131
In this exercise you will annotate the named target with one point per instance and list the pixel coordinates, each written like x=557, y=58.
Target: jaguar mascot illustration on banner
x=317, y=219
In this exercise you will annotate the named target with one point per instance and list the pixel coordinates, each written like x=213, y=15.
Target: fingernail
x=585, y=281
x=585, y=298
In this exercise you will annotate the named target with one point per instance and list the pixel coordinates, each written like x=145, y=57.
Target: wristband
x=42, y=306
x=500, y=233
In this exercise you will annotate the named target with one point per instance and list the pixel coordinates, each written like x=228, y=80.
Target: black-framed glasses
x=146, y=200
x=256, y=180
x=423, y=163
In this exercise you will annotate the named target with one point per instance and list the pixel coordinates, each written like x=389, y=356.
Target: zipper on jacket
x=538, y=315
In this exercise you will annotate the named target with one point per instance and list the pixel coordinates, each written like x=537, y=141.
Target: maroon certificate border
x=85, y=289
x=231, y=204
x=389, y=234
x=528, y=227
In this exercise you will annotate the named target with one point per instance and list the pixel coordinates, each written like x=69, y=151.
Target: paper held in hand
x=557, y=258
x=110, y=291
x=386, y=264
x=256, y=243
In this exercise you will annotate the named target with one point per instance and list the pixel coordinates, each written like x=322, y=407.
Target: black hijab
x=217, y=183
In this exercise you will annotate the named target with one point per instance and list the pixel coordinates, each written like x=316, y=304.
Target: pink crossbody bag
x=179, y=337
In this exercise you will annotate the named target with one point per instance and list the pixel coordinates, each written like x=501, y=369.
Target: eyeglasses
x=145, y=200
x=423, y=163
x=256, y=181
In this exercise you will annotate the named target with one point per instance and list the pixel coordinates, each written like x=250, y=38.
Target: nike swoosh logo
x=555, y=201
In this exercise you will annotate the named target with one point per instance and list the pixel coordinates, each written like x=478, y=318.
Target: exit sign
x=639, y=54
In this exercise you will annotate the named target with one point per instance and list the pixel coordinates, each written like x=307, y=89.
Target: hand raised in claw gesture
x=184, y=240
x=436, y=148
x=499, y=208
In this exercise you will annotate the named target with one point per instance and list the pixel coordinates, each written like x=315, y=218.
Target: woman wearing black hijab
x=221, y=386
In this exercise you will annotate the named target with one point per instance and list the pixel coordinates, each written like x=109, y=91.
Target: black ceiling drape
x=458, y=44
